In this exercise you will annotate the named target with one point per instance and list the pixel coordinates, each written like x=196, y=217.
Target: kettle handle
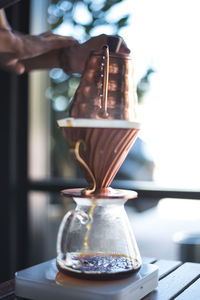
x=113, y=45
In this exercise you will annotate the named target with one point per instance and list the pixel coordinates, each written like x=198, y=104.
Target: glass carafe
x=96, y=240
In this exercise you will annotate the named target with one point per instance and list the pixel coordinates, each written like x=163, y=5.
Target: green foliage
x=65, y=11
x=144, y=84
x=62, y=10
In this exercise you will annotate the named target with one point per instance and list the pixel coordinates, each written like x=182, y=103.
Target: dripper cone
x=100, y=147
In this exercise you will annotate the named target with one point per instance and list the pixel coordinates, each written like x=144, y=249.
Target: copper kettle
x=107, y=89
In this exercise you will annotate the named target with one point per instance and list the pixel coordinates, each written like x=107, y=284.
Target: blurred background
x=163, y=165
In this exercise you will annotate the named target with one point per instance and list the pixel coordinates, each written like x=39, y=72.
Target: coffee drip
x=96, y=239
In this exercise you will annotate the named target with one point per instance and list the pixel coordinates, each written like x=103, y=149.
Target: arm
x=71, y=59
x=15, y=47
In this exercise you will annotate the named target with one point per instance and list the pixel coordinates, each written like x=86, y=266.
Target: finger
x=96, y=43
x=11, y=61
x=50, y=35
x=124, y=49
x=45, y=34
x=19, y=68
x=122, y=45
x=15, y=66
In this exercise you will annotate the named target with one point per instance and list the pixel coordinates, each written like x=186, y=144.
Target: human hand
x=71, y=58
x=74, y=57
x=16, y=47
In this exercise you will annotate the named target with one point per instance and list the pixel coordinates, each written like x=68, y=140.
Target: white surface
x=71, y=122
x=39, y=282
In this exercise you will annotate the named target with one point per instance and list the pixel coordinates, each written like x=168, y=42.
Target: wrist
x=8, y=42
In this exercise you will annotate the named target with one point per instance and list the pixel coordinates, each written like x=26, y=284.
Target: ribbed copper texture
x=119, y=103
x=104, y=152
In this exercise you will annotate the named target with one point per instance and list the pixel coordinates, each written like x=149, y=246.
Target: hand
x=75, y=57
x=34, y=45
x=10, y=62
x=72, y=57
x=15, y=47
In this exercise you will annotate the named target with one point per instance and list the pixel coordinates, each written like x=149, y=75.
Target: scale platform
x=44, y=281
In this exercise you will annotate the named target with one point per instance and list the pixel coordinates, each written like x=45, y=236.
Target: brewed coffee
x=100, y=266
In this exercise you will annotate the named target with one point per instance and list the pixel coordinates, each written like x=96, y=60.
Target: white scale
x=43, y=281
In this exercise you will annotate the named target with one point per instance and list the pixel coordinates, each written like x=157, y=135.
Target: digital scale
x=44, y=281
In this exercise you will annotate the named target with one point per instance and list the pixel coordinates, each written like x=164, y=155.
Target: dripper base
x=104, y=193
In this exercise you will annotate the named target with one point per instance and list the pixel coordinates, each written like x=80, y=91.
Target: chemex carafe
x=96, y=240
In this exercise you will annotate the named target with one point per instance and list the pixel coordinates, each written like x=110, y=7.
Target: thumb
x=15, y=66
x=19, y=68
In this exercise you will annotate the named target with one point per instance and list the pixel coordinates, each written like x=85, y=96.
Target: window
x=166, y=70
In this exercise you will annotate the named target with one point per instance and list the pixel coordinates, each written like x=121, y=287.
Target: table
x=180, y=281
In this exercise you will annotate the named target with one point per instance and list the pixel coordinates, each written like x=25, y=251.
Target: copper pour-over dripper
x=99, y=151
